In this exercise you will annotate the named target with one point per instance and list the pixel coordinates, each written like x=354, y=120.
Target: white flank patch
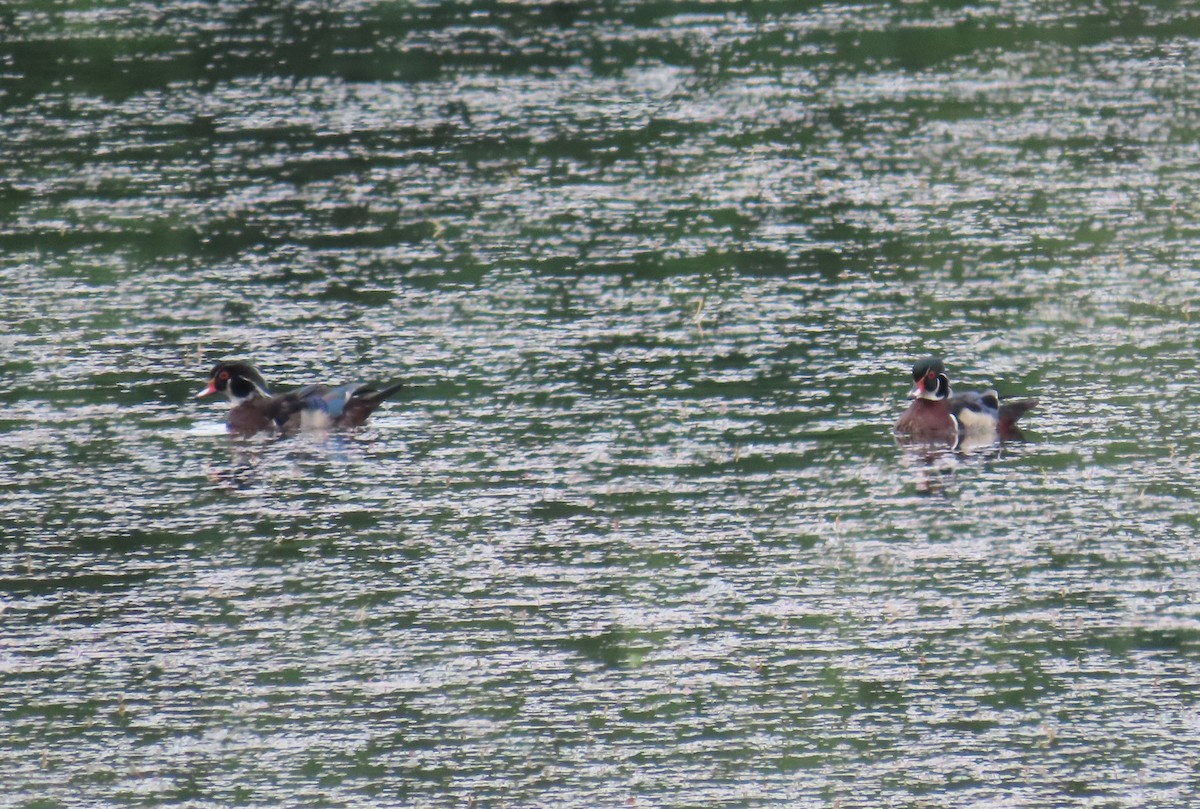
x=973, y=421
x=315, y=420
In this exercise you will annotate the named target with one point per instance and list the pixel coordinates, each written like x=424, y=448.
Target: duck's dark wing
x=340, y=406
x=979, y=404
x=288, y=408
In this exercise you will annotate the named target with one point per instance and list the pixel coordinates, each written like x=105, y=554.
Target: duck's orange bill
x=212, y=388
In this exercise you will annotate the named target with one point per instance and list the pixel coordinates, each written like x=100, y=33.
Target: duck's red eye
x=223, y=376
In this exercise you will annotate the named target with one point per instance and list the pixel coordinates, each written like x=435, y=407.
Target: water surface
x=638, y=532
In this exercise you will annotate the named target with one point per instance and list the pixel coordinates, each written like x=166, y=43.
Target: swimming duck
x=935, y=409
x=255, y=409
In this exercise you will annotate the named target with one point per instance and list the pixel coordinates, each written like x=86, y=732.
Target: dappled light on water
x=637, y=532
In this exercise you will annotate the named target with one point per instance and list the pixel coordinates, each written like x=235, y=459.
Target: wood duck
x=936, y=410
x=255, y=409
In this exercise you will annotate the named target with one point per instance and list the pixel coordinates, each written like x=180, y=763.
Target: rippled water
x=638, y=532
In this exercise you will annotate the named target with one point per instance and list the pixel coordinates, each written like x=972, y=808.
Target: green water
x=637, y=534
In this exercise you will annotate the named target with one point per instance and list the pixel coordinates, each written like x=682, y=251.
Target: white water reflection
x=639, y=533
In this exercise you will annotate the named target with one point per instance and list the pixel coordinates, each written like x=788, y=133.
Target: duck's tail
x=1010, y=412
x=375, y=397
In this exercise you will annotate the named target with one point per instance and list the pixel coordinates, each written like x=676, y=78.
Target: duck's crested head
x=238, y=380
x=930, y=380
